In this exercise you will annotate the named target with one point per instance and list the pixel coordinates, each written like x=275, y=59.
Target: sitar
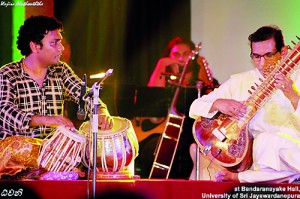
x=168, y=142
x=227, y=140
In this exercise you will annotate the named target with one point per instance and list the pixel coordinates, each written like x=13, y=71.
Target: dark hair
x=34, y=29
x=192, y=66
x=265, y=33
x=175, y=41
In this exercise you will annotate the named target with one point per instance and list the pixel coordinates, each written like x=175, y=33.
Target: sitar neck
x=204, y=74
x=260, y=94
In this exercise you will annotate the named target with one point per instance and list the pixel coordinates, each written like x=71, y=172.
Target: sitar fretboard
x=266, y=89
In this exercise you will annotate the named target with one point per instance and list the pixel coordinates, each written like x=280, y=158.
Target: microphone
x=107, y=74
x=81, y=108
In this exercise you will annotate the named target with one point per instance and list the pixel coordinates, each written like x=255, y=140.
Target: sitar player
x=275, y=126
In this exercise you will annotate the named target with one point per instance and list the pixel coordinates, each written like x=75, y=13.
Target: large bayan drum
x=116, y=147
x=62, y=152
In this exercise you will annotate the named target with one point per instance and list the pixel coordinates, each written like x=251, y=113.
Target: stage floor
x=145, y=189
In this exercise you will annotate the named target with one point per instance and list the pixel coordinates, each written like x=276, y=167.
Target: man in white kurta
x=275, y=127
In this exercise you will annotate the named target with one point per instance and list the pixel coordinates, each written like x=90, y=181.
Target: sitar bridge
x=220, y=133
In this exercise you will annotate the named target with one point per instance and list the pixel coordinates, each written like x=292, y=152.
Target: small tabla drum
x=116, y=147
x=62, y=152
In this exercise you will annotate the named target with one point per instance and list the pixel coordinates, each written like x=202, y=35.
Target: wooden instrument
x=157, y=122
x=204, y=74
x=61, y=153
x=226, y=139
x=117, y=147
x=168, y=143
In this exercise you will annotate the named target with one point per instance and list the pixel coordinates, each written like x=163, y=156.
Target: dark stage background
x=128, y=36
x=5, y=35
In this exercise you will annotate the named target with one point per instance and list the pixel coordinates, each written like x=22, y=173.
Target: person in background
x=274, y=127
x=177, y=55
x=33, y=89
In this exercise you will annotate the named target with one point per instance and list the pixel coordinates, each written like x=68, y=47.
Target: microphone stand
x=199, y=86
x=96, y=88
x=95, y=94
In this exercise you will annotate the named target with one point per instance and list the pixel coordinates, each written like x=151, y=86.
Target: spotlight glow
x=97, y=76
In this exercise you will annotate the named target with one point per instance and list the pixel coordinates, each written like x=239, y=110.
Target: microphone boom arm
x=96, y=84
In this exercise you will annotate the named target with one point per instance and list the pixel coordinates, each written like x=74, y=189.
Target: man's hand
x=230, y=107
x=288, y=88
x=105, y=121
x=51, y=121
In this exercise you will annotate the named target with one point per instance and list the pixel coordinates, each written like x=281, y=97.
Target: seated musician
x=33, y=90
x=274, y=124
x=168, y=69
x=176, y=55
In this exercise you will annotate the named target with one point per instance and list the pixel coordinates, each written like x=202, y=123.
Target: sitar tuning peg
x=298, y=37
x=260, y=79
x=250, y=92
x=289, y=47
x=294, y=42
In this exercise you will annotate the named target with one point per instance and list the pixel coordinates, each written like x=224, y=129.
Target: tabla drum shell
x=116, y=147
x=62, y=151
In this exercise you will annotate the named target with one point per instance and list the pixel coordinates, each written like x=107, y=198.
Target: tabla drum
x=62, y=152
x=116, y=147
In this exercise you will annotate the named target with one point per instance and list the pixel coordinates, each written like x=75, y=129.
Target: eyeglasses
x=267, y=56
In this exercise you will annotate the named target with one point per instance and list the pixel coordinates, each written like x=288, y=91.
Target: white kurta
x=275, y=128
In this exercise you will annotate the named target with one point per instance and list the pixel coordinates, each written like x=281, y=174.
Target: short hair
x=34, y=30
x=265, y=33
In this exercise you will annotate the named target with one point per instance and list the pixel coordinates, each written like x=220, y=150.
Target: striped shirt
x=21, y=98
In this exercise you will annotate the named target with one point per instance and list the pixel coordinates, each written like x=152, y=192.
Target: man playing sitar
x=263, y=104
